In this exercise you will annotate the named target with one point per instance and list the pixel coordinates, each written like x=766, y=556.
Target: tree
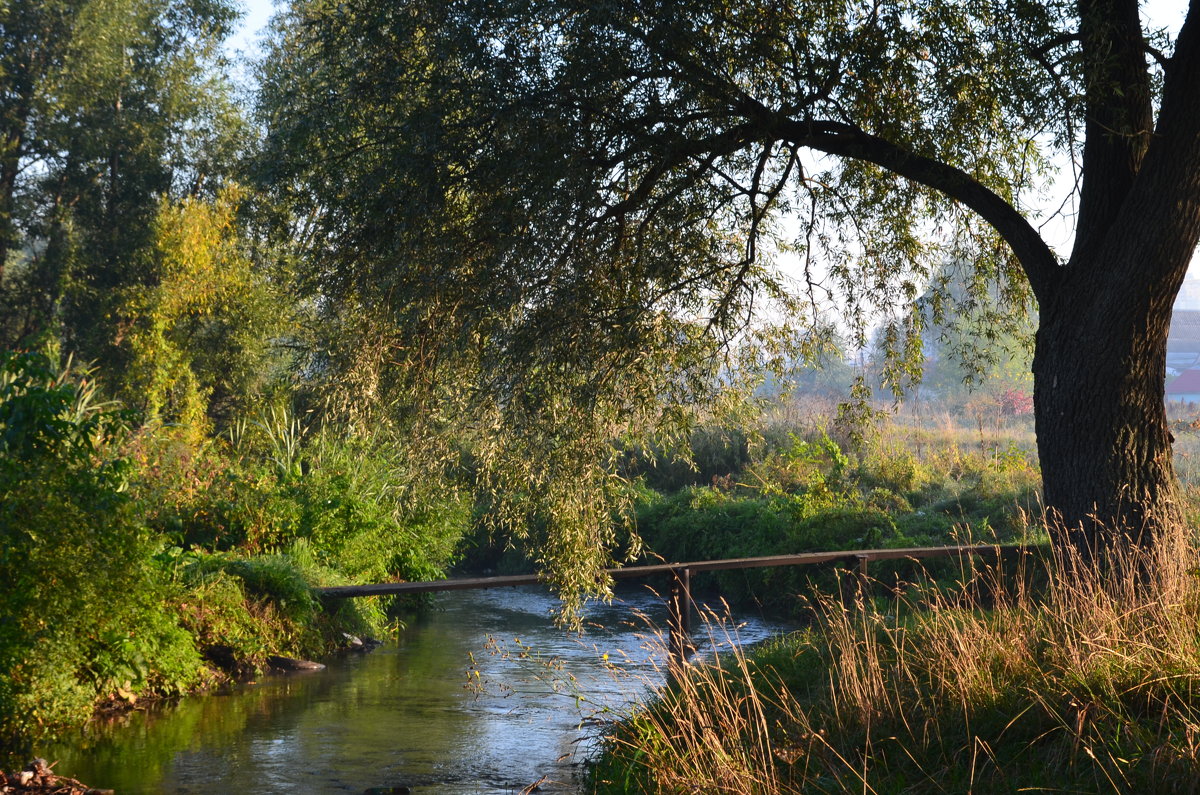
x=550, y=180
x=105, y=107
x=198, y=337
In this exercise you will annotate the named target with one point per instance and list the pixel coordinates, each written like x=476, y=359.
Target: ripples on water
x=484, y=695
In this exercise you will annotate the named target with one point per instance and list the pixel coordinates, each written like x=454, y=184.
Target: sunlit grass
x=1090, y=683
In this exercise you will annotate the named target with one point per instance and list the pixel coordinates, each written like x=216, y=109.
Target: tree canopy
x=591, y=199
x=106, y=108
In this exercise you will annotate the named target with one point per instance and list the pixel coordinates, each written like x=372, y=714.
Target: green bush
x=707, y=524
x=711, y=452
x=349, y=499
x=805, y=494
x=265, y=604
x=79, y=611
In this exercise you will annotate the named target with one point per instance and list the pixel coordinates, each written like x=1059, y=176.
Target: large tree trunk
x=1102, y=432
x=1100, y=361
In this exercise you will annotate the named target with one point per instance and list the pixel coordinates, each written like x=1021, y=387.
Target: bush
x=708, y=524
x=711, y=452
x=79, y=611
x=350, y=500
x=806, y=494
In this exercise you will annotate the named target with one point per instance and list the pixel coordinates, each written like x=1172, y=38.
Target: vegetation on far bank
x=807, y=493
x=789, y=484
x=147, y=562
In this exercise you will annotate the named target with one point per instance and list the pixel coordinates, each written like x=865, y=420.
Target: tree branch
x=1168, y=185
x=844, y=140
x=1119, y=115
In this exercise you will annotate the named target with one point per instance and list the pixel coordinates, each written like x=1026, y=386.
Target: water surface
x=483, y=695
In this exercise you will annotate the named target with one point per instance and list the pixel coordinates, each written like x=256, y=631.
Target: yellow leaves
x=125, y=692
x=200, y=277
x=197, y=252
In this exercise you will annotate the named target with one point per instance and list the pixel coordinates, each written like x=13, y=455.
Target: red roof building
x=1185, y=388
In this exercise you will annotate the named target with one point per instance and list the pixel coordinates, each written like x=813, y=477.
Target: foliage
x=197, y=335
x=612, y=326
x=107, y=106
x=535, y=374
x=801, y=494
x=256, y=606
x=347, y=499
x=158, y=548
x=971, y=339
x=561, y=217
x=80, y=616
x=710, y=454
x=1015, y=403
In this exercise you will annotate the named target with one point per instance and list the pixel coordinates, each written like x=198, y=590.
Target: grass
x=1088, y=683
x=800, y=490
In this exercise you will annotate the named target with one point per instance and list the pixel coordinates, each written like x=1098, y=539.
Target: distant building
x=1185, y=388
x=1184, y=337
x=1183, y=342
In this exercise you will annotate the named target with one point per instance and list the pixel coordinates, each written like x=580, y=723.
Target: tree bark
x=1103, y=439
x=12, y=140
x=8, y=183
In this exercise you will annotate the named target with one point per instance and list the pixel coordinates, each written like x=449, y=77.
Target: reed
x=1057, y=675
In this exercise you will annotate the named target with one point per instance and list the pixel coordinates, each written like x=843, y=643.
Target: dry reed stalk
x=1104, y=659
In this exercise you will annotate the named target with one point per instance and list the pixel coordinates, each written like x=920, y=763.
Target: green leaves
x=46, y=412
x=106, y=106
x=537, y=227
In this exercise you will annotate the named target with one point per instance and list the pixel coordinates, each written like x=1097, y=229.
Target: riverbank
x=152, y=562
x=1086, y=685
x=37, y=778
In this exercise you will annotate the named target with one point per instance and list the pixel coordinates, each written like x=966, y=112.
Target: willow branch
x=844, y=140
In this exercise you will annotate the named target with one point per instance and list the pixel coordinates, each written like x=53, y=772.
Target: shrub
x=349, y=499
x=79, y=608
x=710, y=452
x=707, y=524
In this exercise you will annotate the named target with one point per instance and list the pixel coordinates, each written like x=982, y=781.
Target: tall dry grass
x=1053, y=676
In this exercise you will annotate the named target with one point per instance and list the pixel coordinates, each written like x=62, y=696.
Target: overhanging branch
x=844, y=140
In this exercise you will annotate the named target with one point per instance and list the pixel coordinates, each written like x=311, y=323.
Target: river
x=482, y=695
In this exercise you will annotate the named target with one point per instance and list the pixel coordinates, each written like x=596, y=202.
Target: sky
x=256, y=15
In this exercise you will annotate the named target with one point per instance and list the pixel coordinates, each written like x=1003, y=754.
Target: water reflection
x=484, y=695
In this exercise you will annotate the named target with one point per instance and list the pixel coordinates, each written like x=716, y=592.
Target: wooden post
x=864, y=579
x=855, y=587
x=679, y=619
